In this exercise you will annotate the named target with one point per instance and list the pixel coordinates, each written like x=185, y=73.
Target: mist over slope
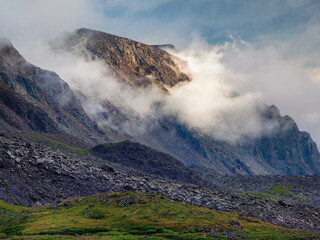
x=185, y=108
x=207, y=103
x=202, y=121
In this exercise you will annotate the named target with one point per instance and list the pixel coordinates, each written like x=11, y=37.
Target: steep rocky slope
x=289, y=150
x=286, y=151
x=35, y=99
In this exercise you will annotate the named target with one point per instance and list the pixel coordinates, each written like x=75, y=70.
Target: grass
x=279, y=192
x=275, y=192
x=85, y=151
x=133, y=215
x=7, y=209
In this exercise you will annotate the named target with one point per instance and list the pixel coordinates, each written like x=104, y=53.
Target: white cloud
x=284, y=81
x=32, y=21
x=209, y=102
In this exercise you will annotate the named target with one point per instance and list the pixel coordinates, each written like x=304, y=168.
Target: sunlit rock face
x=137, y=63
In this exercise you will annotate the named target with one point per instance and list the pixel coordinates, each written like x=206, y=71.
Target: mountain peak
x=137, y=63
x=4, y=43
x=7, y=49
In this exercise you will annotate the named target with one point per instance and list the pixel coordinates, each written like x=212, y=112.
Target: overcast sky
x=273, y=46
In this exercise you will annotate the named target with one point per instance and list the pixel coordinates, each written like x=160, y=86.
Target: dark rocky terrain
x=298, y=188
x=149, y=161
x=32, y=173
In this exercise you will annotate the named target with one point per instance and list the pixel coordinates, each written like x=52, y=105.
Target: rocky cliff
x=289, y=150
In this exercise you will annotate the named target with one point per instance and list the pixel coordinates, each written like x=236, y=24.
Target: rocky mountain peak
x=137, y=63
x=5, y=44
x=9, y=56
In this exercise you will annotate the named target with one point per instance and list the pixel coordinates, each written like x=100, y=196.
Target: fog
x=211, y=103
x=288, y=82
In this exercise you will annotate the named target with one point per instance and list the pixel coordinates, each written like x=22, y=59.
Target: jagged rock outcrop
x=289, y=150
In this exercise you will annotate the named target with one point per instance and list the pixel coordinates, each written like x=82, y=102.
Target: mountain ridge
x=287, y=151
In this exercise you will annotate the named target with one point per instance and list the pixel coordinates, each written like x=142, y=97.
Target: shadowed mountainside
x=148, y=160
x=35, y=99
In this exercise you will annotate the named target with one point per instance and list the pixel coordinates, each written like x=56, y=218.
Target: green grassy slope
x=133, y=215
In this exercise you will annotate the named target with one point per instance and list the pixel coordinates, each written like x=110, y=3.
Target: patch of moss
x=85, y=151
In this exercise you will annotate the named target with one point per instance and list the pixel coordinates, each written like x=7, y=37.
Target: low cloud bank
x=209, y=103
